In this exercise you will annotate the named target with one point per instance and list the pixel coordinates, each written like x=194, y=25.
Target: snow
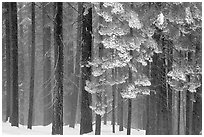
x=7, y=129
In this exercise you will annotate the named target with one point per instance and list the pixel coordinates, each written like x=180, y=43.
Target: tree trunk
x=78, y=58
x=106, y=107
x=113, y=101
x=57, y=123
x=8, y=61
x=21, y=71
x=197, y=116
x=121, y=114
x=14, y=41
x=120, y=103
x=175, y=113
x=86, y=112
x=98, y=124
x=98, y=52
x=129, y=116
x=182, y=120
x=129, y=100
x=32, y=72
x=47, y=96
x=74, y=95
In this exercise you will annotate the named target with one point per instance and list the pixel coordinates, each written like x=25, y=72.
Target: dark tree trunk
x=98, y=125
x=197, y=116
x=106, y=107
x=98, y=116
x=8, y=61
x=32, y=72
x=113, y=101
x=57, y=123
x=47, y=95
x=86, y=112
x=14, y=41
x=11, y=62
x=120, y=104
x=152, y=102
x=21, y=71
x=129, y=116
x=121, y=114
x=129, y=100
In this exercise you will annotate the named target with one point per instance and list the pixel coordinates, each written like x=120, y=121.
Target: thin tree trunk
x=113, y=101
x=106, y=107
x=47, y=98
x=182, y=124
x=190, y=118
x=120, y=104
x=98, y=124
x=32, y=72
x=175, y=114
x=86, y=112
x=11, y=64
x=166, y=84
x=129, y=100
x=129, y=116
x=57, y=123
x=14, y=40
x=121, y=115
x=8, y=61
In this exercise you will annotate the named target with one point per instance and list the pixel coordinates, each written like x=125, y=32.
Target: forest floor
x=7, y=129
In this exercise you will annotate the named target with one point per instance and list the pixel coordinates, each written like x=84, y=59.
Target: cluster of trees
x=68, y=63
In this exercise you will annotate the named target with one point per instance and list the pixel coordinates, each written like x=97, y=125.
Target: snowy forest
x=97, y=68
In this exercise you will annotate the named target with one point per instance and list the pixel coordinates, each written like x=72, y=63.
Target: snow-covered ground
x=46, y=130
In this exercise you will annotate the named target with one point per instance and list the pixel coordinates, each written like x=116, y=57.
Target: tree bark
x=78, y=59
x=47, y=96
x=86, y=112
x=98, y=124
x=129, y=100
x=120, y=103
x=8, y=61
x=106, y=107
x=99, y=53
x=14, y=41
x=175, y=114
x=21, y=65
x=121, y=114
x=113, y=101
x=57, y=123
x=32, y=72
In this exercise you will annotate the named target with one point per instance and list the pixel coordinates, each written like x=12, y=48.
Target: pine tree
x=57, y=123
x=14, y=42
x=86, y=112
x=8, y=60
x=31, y=96
x=21, y=65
